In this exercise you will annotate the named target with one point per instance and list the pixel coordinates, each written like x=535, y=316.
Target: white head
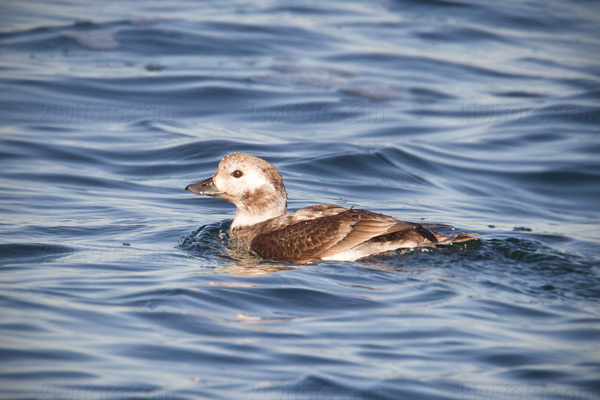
x=251, y=183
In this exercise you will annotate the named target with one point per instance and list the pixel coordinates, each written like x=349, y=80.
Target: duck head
x=252, y=184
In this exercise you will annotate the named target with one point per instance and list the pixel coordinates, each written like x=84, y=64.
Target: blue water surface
x=115, y=283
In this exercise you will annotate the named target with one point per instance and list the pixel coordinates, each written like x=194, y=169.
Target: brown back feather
x=312, y=239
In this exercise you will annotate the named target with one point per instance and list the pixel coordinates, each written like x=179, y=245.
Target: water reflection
x=252, y=267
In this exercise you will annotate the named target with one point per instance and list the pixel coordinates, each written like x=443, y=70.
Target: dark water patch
x=518, y=94
x=539, y=374
x=45, y=375
x=26, y=253
x=505, y=358
x=435, y=4
x=48, y=355
x=22, y=327
x=317, y=10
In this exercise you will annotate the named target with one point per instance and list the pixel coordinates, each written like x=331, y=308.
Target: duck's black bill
x=206, y=187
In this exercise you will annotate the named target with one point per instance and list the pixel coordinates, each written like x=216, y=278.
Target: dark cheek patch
x=254, y=197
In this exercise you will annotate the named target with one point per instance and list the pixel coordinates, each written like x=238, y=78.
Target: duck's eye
x=237, y=173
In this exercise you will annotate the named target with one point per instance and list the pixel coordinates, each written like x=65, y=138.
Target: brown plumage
x=322, y=232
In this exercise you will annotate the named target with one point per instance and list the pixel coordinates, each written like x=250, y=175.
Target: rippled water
x=116, y=283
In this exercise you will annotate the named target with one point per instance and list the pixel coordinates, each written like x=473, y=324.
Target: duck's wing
x=304, y=214
x=311, y=239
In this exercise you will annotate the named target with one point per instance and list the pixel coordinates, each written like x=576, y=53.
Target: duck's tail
x=455, y=237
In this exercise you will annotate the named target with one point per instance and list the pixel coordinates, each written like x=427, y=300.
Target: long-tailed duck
x=321, y=232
